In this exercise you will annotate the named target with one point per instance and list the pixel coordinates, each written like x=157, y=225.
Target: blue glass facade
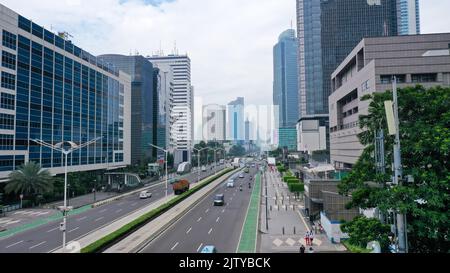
x=408, y=12
x=285, y=86
x=58, y=92
x=288, y=138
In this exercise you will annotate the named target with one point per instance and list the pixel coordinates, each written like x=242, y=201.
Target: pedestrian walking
x=302, y=249
x=311, y=237
x=307, y=238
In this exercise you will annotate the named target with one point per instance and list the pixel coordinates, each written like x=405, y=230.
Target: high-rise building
x=408, y=17
x=179, y=67
x=285, y=85
x=327, y=32
x=144, y=104
x=236, y=120
x=56, y=92
x=214, y=122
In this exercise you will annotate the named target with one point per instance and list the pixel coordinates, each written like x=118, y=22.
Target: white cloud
x=229, y=41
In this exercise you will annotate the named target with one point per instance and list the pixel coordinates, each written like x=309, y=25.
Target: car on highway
x=241, y=175
x=145, y=194
x=209, y=249
x=230, y=183
x=219, y=200
x=247, y=170
x=203, y=168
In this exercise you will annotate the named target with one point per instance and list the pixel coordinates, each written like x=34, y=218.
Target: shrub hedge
x=129, y=228
x=286, y=178
x=296, y=187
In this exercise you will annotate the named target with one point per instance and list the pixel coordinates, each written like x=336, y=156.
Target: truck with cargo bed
x=180, y=186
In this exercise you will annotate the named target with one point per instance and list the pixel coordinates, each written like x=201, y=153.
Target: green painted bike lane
x=247, y=242
x=40, y=222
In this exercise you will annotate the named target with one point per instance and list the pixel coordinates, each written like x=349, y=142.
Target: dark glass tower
x=144, y=104
x=328, y=30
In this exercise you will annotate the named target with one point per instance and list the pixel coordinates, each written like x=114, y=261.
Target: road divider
x=124, y=231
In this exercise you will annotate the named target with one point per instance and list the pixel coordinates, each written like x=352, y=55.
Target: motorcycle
x=249, y=185
x=240, y=187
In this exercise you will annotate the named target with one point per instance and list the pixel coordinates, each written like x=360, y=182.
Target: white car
x=241, y=175
x=145, y=195
x=203, y=169
x=230, y=183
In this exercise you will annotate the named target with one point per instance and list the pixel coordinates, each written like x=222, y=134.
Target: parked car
x=145, y=195
x=219, y=200
x=230, y=183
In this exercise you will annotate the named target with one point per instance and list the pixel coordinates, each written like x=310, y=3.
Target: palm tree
x=29, y=179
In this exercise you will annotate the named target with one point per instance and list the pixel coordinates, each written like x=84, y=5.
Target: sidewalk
x=286, y=225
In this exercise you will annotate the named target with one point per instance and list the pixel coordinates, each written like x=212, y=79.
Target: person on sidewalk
x=307, y=238
x=302, y=249
x=311, y=237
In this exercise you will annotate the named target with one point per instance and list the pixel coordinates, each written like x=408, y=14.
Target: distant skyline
x=230, y=45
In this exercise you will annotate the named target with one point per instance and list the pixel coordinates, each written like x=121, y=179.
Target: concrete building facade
x=214, y=122
x=369, y=68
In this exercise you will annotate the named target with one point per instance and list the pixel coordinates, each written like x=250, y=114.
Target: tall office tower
x=54, y=91
x=179, y=67
x=214, y=122
x=327, y=32
x=144, y=104
x=164, y=87
x=285, y=86
x=236, y=121
x=408, y=13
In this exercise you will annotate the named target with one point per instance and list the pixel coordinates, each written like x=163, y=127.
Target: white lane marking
x=15, y=244
x=119, y=210
x=199, y=247
x=189, y=230
x=223, y=210
x=199, y=219
x=231, y=199
x=174, y=246
x=81, y=219
x=52, y=229
x=218, y=218
x=70, y=231
x=38, y=245
x=98, y=219
x=209, y=232
x=134, y=204
x=103, y=210
x=206, y=211
x=13, y=222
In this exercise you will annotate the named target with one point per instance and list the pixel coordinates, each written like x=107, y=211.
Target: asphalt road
x=48, y=237
x=206, y=224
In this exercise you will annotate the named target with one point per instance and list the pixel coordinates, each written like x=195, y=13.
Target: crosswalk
x=21, y=215
x=31, y=213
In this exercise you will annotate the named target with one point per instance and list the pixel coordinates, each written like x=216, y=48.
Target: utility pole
x=393, y=123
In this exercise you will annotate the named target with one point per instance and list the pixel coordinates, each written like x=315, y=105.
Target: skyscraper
x=328, y=31
x=179, y=67
x=408, y=17
x=285, y=85
x=56, y=92
x=236, y=120
x=214, y=122
x=144, y=104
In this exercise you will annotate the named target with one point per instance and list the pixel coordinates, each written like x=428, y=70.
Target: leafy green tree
x=425, y=139
x=237, y=150
x=30, y=180
x=363, y=230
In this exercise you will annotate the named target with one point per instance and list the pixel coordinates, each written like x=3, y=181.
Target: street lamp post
x=60, y=147
x=215, y=155
x=166, y=156
x=198, y=161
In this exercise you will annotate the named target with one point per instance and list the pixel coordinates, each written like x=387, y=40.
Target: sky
x=229, y=41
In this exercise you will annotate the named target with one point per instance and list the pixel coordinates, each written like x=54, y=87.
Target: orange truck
x=180, y=186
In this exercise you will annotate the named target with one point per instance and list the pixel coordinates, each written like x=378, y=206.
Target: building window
x=9, y=40
x=387, y=79
x=431, y=77
x=6, y=122
x=365, y=86
x=6, y=142
x=24, y=24
x=8, y=81
x=9, y=60
x=7, y=101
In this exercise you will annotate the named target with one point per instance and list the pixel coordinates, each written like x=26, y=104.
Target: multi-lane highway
x=48, y=237
x=206, y=224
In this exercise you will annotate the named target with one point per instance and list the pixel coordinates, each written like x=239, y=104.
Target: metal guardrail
x=9, y=208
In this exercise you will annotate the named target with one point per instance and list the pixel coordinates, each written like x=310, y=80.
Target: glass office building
x=408, y=13
x=144, y=104
x=54, y=91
